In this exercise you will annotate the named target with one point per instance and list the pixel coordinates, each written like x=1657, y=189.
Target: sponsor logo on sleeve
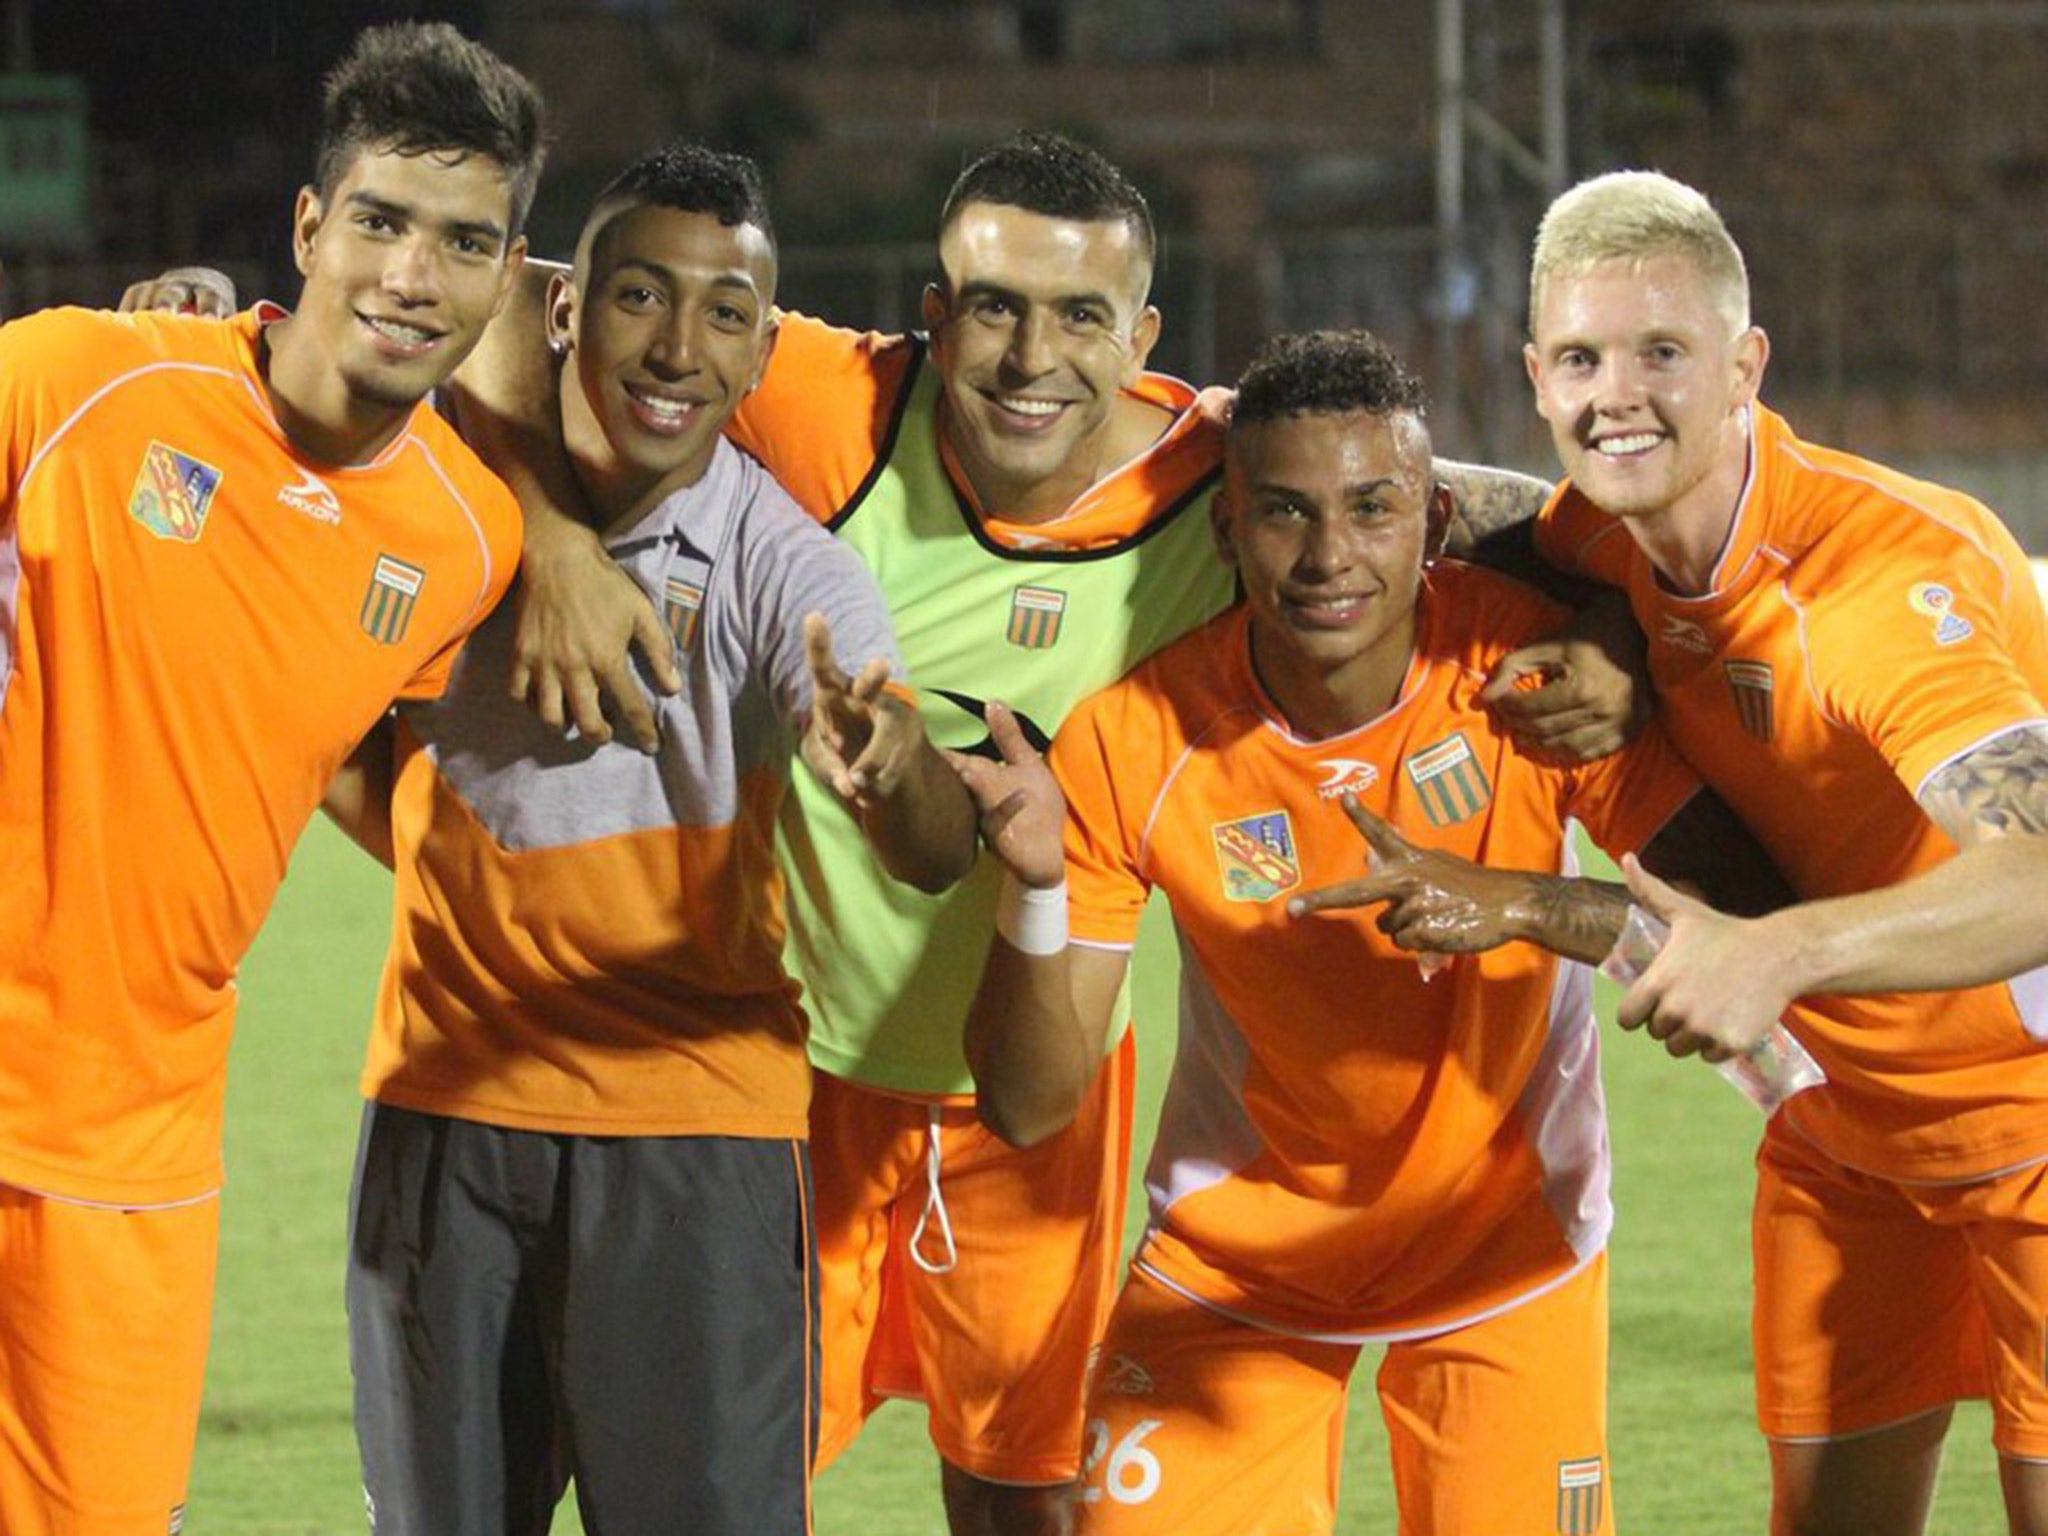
x=388, y=603
x=1256, y=857
x=1035, y=617
x=1449, y=780
x=172, y=493
x=1750, y=684
x=1579, y=1490
x=1939, y=603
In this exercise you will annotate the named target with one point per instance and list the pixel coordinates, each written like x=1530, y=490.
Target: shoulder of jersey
x=804, y=341
x=1478, y=612
x=1870, y=513
x=110, y=341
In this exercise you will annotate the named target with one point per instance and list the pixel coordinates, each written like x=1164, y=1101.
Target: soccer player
x=581, y=1238
x=1856, y=661
x=1352, y=1149
x=225, y=546
x=1032, y=502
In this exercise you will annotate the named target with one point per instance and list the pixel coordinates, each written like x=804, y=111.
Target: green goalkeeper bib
x=887, y=971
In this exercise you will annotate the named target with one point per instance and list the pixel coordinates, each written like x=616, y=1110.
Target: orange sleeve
x=50, y=362
x=1624, y=799
x=1095, y=757
x=825, y=410
x=1920, y=646
x=1581, y=540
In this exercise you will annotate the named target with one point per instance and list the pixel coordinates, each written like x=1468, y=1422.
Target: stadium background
x=1377, y=162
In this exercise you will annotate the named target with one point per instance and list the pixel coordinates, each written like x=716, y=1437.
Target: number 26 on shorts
x=1130, y=1473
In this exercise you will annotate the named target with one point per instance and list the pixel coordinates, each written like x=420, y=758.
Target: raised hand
x=1436, y=901
x=860, y=739
x=1023, y=814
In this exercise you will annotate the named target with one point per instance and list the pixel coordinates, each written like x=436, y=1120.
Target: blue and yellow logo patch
x=1256, y=856
x=172, y=493
x=1449, y=781
x=1938, y=603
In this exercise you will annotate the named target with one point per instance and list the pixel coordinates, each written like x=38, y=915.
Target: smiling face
x=1643, y=377
x=406, y=260
x=1327, y=518
x=1039, y=326
x=669, y=329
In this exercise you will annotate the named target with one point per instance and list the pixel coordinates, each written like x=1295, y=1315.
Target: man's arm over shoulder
x=826, y=408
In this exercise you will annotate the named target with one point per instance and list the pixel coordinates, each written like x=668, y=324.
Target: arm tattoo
x=1488, y=501
x=1993, y=790
x=1577, y=917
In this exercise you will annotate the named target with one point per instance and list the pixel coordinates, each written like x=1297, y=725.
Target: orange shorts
x=1877, y=1301
x=1202, y=1425
x=957, y=1269
x=104, y=1316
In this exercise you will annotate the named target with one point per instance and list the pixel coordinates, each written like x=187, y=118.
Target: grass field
x=276, y=1454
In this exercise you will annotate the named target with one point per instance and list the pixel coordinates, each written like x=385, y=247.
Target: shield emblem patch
x=1449, y=780
x=172, y=493
x=1035, y=617
x=1256, y=856
x=387, y=604
x=1749, y=684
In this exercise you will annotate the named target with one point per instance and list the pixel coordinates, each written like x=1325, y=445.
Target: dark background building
x=1884, y=162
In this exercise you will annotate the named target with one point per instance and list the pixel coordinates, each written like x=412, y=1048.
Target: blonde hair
x=1635, y=216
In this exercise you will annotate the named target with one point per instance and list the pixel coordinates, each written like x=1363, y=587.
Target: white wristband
x=1034, y=920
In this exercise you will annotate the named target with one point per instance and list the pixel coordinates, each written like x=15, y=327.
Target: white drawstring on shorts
x=934, y=1206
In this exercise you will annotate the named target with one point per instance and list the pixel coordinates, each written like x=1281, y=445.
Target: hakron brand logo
x=313, y=497
x=1346, y=776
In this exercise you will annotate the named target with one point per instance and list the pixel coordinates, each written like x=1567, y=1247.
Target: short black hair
x=693, y=178
x=1312, y=373
x=416, y=87
x=1049, y=174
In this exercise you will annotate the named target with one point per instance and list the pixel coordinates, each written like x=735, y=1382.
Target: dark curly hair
x=693, y=178
x=416, y=87
x=1323, y=373
x=1049, y=174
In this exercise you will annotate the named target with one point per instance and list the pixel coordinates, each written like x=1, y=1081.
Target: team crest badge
x=1035, y=617
x=1256, y=856
x=172, y=493
x=1449, y=779
x=1579, y=1490
x=1749, y=683
x=1939, y=604
x=683, y=603
x=387, y=605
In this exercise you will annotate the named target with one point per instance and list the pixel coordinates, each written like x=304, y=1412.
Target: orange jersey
x=1864, y=629
x=588, y=939
x=1346, y=1150
x=197, y=624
